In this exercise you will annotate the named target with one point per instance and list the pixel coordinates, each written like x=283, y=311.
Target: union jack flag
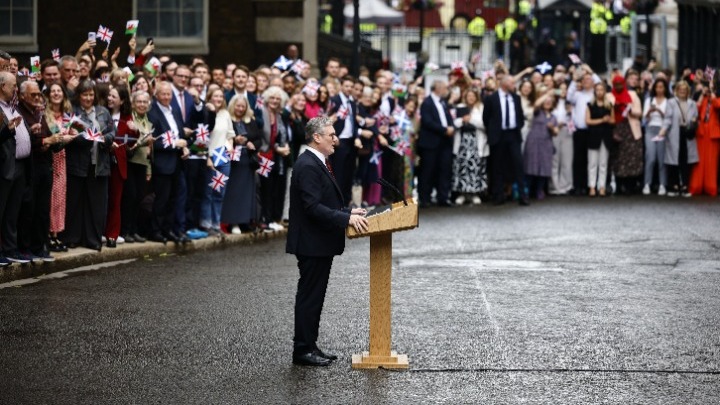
x=265, y=166
x=168, y=139
x=104, y=34
x=299, y=66
x=235, y=153
x=311, y=88
x=709, y=73
x=202, y=135
x=56, y=54
x=458, y=64
x=343, y=112
x=401, y=147
x=218, y=181
x=94, y=135
x=382, y=119
x=72, y=120
x=219, y=156
x=410, y=64
x=259, y=103
x=395, y=133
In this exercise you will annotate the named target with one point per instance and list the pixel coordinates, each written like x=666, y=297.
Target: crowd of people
x=93, y=154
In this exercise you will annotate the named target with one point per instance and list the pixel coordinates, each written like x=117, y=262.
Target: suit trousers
x=163, y=211
x=272, y=196
x=343, y=163
x=86, y=209
x=196, y=180
x=40, y=218
x=16, y=193
x=507, y=150
x=115, y=189
x=180, y=201
x=436, y=173
x=133, y=193
x=312, y=285
x=580, y=162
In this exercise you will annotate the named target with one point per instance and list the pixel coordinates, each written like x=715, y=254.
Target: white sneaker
x=460, y=200
x=646, y=189
x=687, y=194
x=476, y=200
x=236, y=230
x=661, y=190
x=275, y=226
x=103, y=239
x=672, y=194
x=120, y=240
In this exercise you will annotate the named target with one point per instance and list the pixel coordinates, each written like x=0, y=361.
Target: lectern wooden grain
x=381, y=227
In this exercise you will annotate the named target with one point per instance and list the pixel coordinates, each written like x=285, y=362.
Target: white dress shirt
x=511, y=103
x=318, y=154
x=22, y=134
x=167, y=112
x=440, y=109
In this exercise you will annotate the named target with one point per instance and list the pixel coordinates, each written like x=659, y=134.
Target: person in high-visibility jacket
x=626, y=25
x=476, y=27
x=598, y=26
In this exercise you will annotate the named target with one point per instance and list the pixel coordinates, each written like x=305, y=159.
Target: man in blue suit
x=318, y=219
x=168, y=149
x=435, y=143
x=240, y=76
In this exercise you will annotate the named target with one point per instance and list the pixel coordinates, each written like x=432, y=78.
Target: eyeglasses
x=332, y=135
x=35, y=94
x=182, y=76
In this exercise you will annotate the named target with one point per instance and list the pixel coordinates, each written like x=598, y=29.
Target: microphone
x=386, y=184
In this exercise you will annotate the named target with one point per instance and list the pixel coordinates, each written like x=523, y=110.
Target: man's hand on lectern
x=359, y=222
x=359, y=211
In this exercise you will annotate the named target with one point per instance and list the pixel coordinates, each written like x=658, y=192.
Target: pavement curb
x=86, y=257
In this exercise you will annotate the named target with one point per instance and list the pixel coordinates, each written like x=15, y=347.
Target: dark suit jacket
x=165, y=160
x=79, y=151
x=492, y=116
x=432, y=133
x=7, y=149
x=192, y=116
x=318, y=217
x=339, y=124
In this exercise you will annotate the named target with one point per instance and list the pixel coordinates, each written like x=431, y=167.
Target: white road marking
x=63, y=274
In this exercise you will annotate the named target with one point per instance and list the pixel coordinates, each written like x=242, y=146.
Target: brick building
x=249, y=32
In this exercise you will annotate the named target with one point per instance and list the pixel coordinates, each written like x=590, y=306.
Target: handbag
x=688, y=130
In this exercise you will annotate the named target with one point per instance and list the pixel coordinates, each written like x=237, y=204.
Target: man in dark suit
x=240, y=76
x=503, y=119
x=318, y=219
x=10, y=123
x=435, y=143
x=166, y=163
x=344, y=109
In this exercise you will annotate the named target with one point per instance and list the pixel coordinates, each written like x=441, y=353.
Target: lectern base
x=394, y=360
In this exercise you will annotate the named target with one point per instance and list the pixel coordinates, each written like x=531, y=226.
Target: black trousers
x=314, y=276
x=40, y=213
x=195, y=172
x=133, y=193
x=18, y=190
x=272, y=196
x=86, y=210
x=679, y=175
x=166, y=190
x=344, y=164
x=436, y=172
x=580, y=161
x=507, y=150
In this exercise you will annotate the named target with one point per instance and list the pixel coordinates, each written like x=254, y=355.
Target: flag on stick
x=131, y=27
x=265, y=166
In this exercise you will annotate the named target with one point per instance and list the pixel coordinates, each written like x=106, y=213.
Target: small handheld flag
x=343, y=112
x=93, y=135
x=56, y=54
x=282, y=63
x=299, y=66
x=168, y=140
x=709, y=73
x=458, y=64
x=259, y=103
x=218, y=181
x=104, y=34
x=131, y=27
x=202, y=135
x=219, y=156
x=375, y=159
x=35, y=64
x=265, y=166
x=575, y=59
x=543, y=67
x=130, y=74
x=410, y=64
x=153, y=66
x=235, y=153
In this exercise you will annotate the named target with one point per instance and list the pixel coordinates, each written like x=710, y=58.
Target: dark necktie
x=507, y=112
x=329, y=167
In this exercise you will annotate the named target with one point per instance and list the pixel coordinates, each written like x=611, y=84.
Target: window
x=18, y=25
x=176, y=25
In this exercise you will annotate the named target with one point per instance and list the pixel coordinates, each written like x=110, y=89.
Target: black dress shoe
x=129, y=239
x=95, y=247
x=445, y=204
x=310, y=359
x=111, y=243
x=324, y=355
x=171, y=237
x=157, y=237
x=524, y=201
x=139, y=239
x=184, y=240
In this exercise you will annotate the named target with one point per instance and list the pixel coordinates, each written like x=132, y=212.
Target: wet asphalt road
x=567, y=301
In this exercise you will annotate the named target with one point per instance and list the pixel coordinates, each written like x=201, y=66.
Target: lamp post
x=355, y=66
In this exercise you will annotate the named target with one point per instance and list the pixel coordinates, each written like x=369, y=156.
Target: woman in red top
x=121, y=111
x=704, y=175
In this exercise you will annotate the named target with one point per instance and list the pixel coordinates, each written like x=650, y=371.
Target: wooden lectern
x=400, y=217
